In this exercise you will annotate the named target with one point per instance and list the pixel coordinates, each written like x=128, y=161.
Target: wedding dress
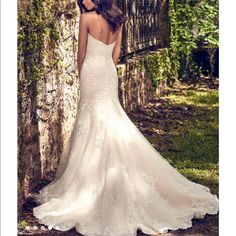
x=111, y=181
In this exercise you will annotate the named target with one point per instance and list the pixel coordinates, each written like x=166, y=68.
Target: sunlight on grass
x=194, y=144
x=206, y=177
x=196, y=98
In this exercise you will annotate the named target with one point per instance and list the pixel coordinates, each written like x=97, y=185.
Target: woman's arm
x=82, y=40
x=117, y=48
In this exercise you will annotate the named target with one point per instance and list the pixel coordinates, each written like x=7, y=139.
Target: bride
x=110, y=180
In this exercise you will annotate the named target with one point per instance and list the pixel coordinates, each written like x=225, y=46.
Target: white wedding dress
x=111, y=181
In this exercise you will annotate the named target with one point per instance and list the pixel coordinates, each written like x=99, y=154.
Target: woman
x=110, y=180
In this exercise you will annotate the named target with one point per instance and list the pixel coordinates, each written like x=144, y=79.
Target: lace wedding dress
x=111, y=181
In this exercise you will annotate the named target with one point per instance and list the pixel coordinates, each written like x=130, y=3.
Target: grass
x=182, y=125
x=194, y=150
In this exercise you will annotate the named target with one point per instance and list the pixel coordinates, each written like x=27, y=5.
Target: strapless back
x=110, y=180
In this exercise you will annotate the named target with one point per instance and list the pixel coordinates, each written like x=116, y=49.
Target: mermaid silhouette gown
x=111, y=181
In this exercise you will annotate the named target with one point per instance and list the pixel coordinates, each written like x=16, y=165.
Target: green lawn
x=183, y=126
x=195, y=143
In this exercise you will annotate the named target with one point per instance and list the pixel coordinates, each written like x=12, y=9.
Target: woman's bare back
x=99, y=29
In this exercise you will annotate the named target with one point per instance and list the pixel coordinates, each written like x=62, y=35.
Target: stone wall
x=48, y=87
x=135, y=87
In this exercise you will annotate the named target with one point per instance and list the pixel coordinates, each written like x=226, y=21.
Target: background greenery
x=193, y=26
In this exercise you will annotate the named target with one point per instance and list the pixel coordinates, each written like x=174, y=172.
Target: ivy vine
x=193, y=24
x=34, y=26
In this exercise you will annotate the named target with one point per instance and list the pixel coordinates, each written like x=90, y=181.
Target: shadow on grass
x=183, y=126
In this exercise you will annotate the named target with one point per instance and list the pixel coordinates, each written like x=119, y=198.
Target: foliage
x=158, y=66
x=193, y=23
x=34, y=26
x=182, y=125
x=36, y=33
x=23, y=223
x=194, y=145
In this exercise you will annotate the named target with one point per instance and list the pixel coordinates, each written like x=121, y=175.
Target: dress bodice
x=98, y=76
x=96, y=47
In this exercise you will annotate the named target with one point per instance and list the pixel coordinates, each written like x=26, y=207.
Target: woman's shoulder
x=87, y=17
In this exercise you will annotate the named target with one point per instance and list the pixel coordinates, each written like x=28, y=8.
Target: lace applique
x=113, y=198
x=108, y=161
x=73, y=155
x=154, y=182
x=98, y=213
x=187, y=187
x=44, y=195
x=85, y=106
x=99, y=136
x=203, y=204
x=98, y=140
x=81, y=128
x=151, y=180
x=126, y=171
x=97, y=188
x=112, y=231
x=132, y=213
x=109, y=231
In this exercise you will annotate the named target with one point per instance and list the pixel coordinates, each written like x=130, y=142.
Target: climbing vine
x=36, y=33
x=34, y=27
x=193, y=25
x=158, y=66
